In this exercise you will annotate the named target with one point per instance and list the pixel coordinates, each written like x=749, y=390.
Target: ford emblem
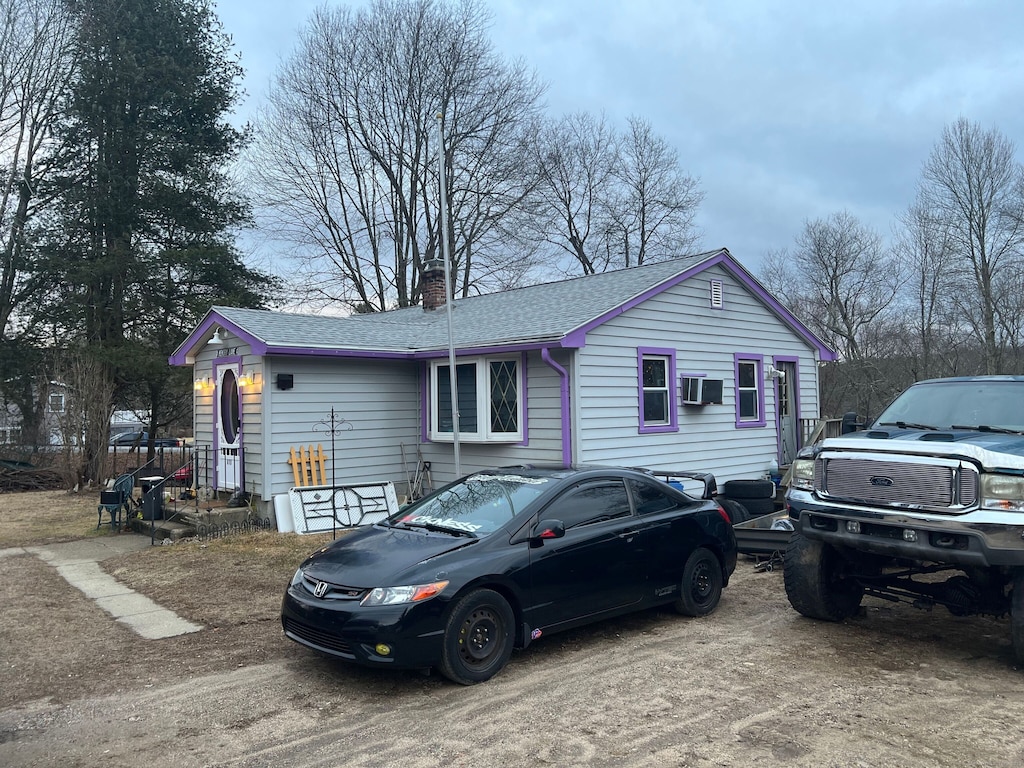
x=880, y=481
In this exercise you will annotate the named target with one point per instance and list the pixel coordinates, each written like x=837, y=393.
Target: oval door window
x=229, y=418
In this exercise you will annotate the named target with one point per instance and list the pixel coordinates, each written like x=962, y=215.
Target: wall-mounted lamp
x=201, y=383
x=217, y=339
x=247, y=379
x=771, y=372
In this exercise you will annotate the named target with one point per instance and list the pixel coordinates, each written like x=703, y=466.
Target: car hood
x=990, y=449
x=379, y=556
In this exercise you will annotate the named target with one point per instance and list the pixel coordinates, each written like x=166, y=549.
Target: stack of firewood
x=34, y=479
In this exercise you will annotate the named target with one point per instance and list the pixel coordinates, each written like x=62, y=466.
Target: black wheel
x=748, y=489
x=737, y=512
x=817, y=579
x=1017, y=614
x=477, y=638
x=701, y=588
x=758, y=507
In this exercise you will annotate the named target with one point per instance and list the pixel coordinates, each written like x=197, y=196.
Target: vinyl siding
x=705, y=341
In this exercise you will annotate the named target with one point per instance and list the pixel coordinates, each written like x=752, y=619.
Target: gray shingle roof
x=537, y=313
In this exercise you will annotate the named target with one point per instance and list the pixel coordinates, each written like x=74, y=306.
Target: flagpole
x=448, y=293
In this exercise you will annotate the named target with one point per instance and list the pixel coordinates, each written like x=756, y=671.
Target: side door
x=596, y=566
x=669, y=531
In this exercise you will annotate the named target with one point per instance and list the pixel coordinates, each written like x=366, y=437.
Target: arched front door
x=229, y=429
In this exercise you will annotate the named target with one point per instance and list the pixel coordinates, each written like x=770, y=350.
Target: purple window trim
x=673, y=412
x=758, y=361
x=427, y=408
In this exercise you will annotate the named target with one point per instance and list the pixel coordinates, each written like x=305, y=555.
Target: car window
x=649, y=498
x=591, y=503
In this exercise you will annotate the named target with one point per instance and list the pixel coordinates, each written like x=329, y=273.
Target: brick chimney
x=432, y=284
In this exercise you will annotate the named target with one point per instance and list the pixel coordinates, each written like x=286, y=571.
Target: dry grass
x=47, y=517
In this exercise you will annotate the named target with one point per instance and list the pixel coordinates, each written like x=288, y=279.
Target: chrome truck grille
x=921, y=483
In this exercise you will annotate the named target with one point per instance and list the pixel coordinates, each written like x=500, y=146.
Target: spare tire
x=737, y=512
x=748, y=489
x=759, y=507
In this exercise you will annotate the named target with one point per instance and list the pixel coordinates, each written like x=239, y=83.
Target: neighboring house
x=683, y=364
x=52, y=424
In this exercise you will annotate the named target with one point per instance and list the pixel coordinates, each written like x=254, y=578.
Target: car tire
x=1017, y=615
x=737, y=512
x=817, y=580
x=701, y=587
x=478, y=637
x=748, y=489
x=758, y=507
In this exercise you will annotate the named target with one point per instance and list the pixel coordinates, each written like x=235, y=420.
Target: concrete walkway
x=78, y=562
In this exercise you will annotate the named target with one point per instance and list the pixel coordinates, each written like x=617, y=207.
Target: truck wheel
x=817, y=581
x=1017, y=614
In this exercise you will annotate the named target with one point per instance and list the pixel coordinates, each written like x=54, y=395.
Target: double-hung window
x=749, y=391
x=656, y=374
x=489, y=398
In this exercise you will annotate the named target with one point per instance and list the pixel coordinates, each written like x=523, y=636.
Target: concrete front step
x=163, y=529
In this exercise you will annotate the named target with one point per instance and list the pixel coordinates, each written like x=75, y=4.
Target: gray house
x=683, y=364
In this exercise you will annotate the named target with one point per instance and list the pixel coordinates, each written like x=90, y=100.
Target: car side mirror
x=548, y=529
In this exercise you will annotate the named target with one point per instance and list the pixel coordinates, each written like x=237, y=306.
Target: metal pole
x=448, y=293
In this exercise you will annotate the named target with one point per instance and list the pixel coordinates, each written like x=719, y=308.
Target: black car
x=502, y=557
x=141, y=439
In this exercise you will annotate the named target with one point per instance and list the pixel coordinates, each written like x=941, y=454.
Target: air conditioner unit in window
x=701, y=391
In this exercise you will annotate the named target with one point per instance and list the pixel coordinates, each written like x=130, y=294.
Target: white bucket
x=283, y=512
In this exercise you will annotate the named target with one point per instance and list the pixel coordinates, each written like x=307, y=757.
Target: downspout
x=563, y=374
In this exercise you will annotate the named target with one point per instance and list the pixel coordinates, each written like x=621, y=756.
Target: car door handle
x=628, y=534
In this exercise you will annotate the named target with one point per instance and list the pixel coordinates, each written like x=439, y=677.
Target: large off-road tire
x=478, y=637
x=701, y=587
x=817, y=579
x=1017, y=615
x=748, y=489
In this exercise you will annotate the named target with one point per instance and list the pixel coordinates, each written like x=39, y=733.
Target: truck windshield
x=998, y=405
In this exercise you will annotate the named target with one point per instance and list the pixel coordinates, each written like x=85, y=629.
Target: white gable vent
x=716, y=294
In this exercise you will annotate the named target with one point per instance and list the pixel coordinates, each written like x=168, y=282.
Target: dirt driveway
x=753, y=684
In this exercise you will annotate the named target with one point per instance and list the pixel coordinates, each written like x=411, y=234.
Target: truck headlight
x=1004, y=492
x=802, y=474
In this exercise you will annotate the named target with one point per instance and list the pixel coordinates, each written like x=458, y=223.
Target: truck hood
x=991, y=450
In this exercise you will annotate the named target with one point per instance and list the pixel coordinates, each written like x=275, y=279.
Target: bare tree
x=577, y=158
x=973, y=188
x=348, y=150
x=925, y=250
x=655, y=202
x=610, y=200
x=841, y=281
x=35, y=66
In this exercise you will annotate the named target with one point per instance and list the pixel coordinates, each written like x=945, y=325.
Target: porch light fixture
x=247, y=379
x=217, y=339
x=201, y=383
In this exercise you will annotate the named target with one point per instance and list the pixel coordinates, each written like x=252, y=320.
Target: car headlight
x=297, y=577
x=1003, y=492
x=802, y=474
x=413, y=593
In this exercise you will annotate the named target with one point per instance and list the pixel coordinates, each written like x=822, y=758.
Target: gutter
x=545, y=355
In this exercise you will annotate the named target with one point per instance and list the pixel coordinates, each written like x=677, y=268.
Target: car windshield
x=478, y=504
x=993, y=405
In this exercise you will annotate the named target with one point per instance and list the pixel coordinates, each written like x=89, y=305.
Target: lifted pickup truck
x=925, y=505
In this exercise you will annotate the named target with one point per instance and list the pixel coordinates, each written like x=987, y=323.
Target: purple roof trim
x=725, y=259
x=198, y=337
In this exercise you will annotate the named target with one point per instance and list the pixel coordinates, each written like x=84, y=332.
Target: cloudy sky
x=786, y=110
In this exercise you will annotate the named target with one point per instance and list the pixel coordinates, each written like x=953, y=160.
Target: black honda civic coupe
x=503, y=557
